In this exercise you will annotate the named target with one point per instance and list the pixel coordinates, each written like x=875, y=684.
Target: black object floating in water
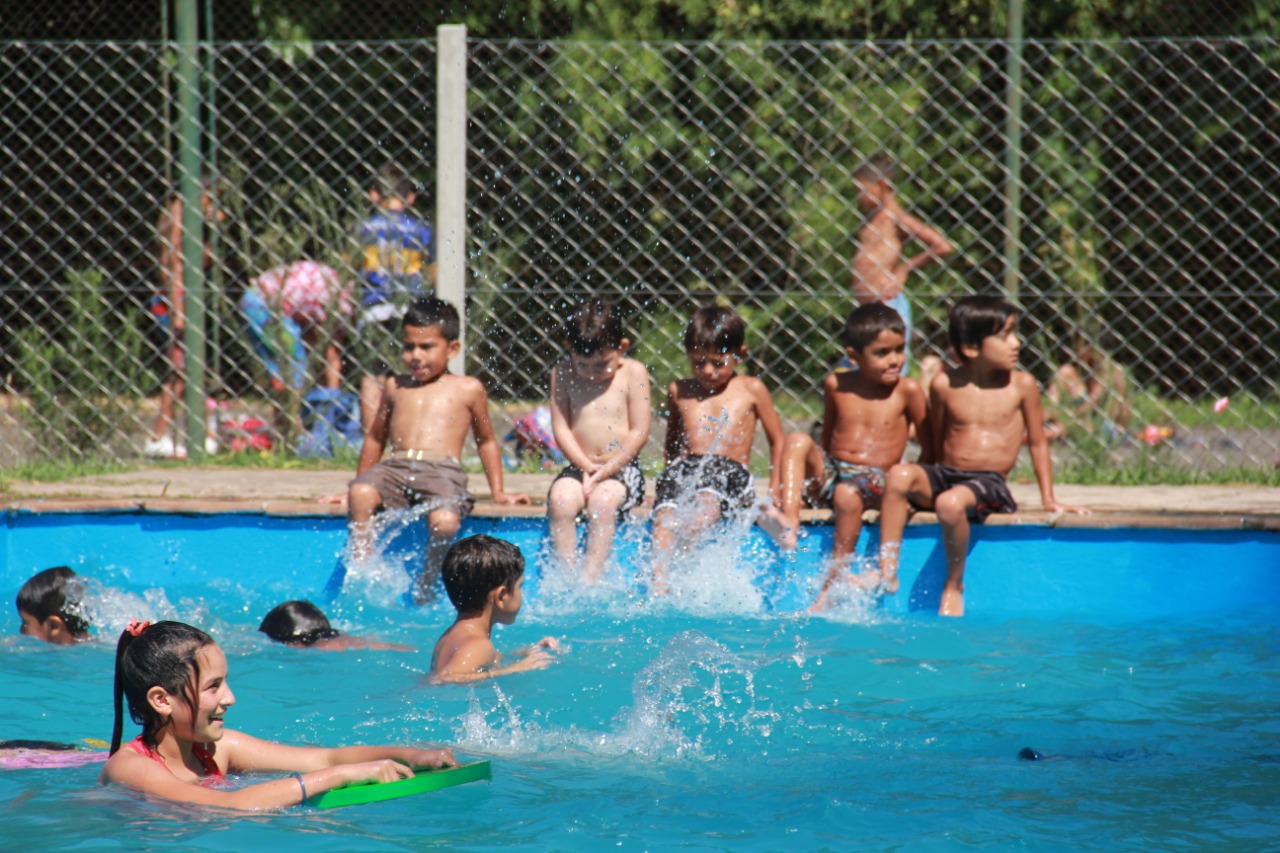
x=1028, y=753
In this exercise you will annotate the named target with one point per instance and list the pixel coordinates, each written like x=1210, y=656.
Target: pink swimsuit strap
x=202, y=755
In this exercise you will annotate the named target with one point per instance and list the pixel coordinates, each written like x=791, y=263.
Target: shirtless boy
x=880, y=271
x=867, y=415
x=712, y=418
x=600, y=415
x=979, y=412
x=425, y=414
x=484, y=577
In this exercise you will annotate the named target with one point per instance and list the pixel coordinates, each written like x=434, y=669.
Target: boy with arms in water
x=980, y=412
x=484, y=577
x=880, y=270
x=711, y=423
x=867, y=416
x=425, y=414
x=600, y=415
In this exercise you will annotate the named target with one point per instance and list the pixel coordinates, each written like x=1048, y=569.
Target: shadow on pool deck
x=280, y=492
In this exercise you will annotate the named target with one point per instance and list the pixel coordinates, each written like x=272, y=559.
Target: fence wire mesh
x=663, y=175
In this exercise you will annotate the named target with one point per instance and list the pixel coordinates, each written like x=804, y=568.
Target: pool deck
x=214, y=490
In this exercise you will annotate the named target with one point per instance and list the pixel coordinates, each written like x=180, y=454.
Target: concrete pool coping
x=214, y=490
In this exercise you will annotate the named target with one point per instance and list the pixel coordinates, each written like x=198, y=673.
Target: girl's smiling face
x=203, y=724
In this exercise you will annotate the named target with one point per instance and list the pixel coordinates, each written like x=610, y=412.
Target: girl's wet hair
x=717, y=329
x=298, y=623
x=476, y=566
x=55, y=592
x=975, y=318
x=159, y=655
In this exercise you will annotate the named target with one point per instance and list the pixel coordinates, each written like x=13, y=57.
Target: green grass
x=52, y=470
x=1148, y=471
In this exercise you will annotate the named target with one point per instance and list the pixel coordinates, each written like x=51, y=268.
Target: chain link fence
x=663, y=175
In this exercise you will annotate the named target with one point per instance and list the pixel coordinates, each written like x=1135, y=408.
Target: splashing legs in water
x=678, y=529
x=442, y=527
x=566, y=501
x=363, y=501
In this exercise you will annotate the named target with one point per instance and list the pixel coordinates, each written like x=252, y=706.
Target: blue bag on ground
x=331, y=418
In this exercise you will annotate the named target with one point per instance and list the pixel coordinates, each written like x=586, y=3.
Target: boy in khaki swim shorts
x=425, y=413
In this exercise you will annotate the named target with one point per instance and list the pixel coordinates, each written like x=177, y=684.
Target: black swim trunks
x=727, y=479
x=989, y=487
x=630, y=477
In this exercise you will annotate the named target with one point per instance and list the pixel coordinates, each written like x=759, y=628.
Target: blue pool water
x=724, y=718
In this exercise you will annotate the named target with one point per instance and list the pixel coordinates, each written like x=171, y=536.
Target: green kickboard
x=426, y=779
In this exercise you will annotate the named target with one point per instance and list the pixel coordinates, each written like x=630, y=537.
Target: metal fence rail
x=663, y=175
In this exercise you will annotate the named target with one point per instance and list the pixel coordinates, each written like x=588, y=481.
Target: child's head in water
x=160, y=670
x=49, y=605
x=297, y=623
x=482, y=571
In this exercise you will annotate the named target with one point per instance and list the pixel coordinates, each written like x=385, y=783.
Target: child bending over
x=600, y=415
x=484, y=577
x=425, y=414
x=174, y=678
x=979, y=412
x=711, y=423
x=867, y=416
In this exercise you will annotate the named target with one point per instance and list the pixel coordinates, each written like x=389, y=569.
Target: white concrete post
x=451, y=175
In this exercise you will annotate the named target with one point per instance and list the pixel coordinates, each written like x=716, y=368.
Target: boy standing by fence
x=600, y=413
x=425, y=414
x=398, y=265
x=980, y=412
x=880, y=270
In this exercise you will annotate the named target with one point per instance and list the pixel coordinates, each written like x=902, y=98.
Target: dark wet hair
x=478, y=565
x=866, y=322
x=715, y=328
x=878, y=167
x=430, y=311
x=55, y=592
x=160, y=655
x=393, y=182
x=298, y=623
x=975, y=318
x=594, y=325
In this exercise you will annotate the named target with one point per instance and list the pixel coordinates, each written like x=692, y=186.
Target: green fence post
x=193, y=242
x=1013, y=155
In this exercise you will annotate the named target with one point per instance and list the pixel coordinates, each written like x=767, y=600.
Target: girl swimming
x=301, y=624
x=174, y=678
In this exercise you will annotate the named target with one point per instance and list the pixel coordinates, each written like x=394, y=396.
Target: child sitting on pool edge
x=425, y=413
x=174, y=678
x=484, y=577
x=302, y=625
x=979, y=413
x=49, y=607
x=867, y=416
x=600, y=414
x=711, y=425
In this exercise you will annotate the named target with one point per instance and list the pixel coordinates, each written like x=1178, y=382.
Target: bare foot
x=889, y=580
x=952, y=603
x=785, y=531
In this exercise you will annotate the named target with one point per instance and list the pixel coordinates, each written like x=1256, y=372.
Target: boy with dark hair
x=484, y=577
x=867, y=417
x=711, y=424
x=425, y=413
x=880, y=270
x=49, y=605
x=980, y=412
x=600, y=416
x=398, y=265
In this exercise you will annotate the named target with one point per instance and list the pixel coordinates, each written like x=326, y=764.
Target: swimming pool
x=723, y=719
